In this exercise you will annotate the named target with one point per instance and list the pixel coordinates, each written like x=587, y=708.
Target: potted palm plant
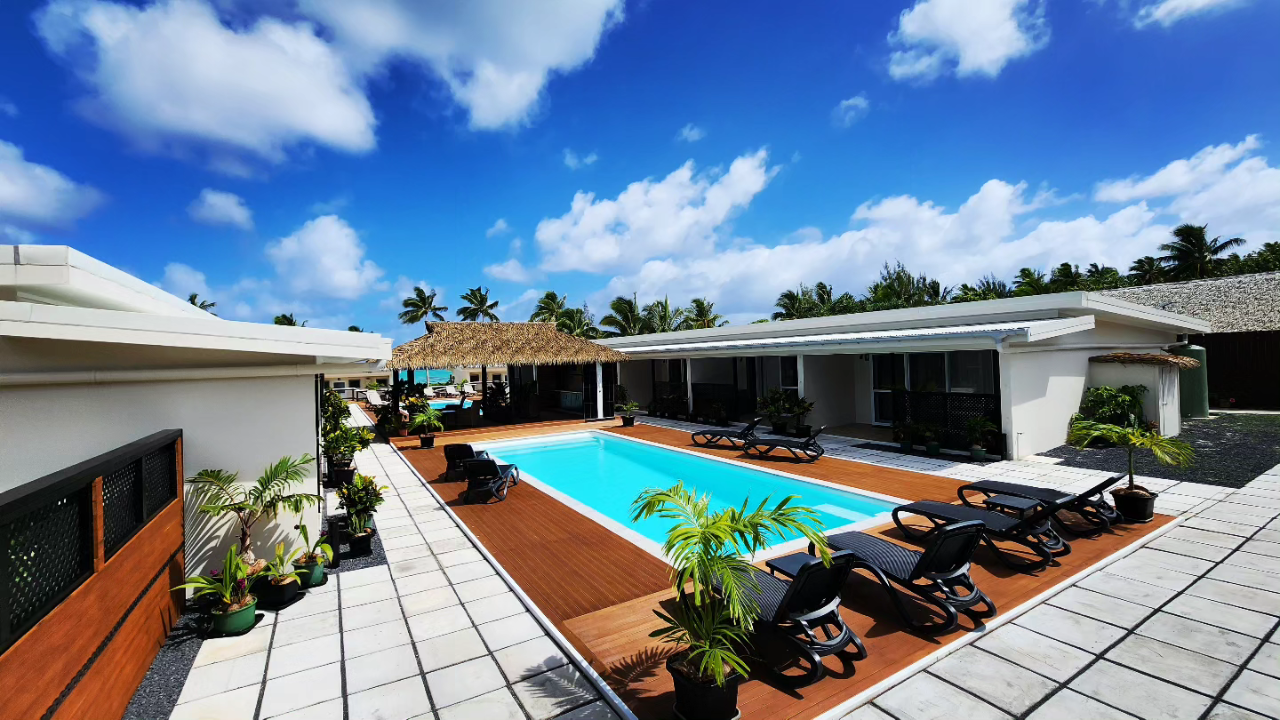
x=929, y=435
x=310, y=563
x=360, y=498
x=426, y=422
x=340, y=447
x=800, y=408
x=980, y=430
x=628, y=411
x=904, y=433
x=277, y=585
x=714, y=611
x=776, y=406
x=234, y=608
x=221, y=493
x=1134, y=502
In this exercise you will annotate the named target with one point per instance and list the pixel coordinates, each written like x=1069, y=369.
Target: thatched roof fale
x=466, y=344
x=1124, y=358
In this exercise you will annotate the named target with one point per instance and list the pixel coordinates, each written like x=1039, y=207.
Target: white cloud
x=215, y=207
x=573, y=161
x=512, y=270
x=499, y=228
x=1168, y=12
x=679, y=214
x=494, y=56
x=969, y=37
x=851, y=110
x=171, y=74
x=1179, y=176
x=525, y=298
x=8, y=108
x=182, y=280
x=325, y=257
x=37, y=195
x=691, y=133
x=16, y=235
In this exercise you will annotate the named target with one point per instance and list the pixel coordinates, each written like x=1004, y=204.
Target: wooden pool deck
x=600, y=590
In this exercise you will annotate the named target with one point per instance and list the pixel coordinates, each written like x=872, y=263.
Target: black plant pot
x=340, y=474
x=1135, y=508
x=697, y=701
x=628, y=420
x=272, y=596
x=933, y=448
x=362, y=544
x=427, y=441
x=803, y=430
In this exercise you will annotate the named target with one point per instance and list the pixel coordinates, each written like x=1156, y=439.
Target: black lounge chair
x=936, y=575
x=712, y=438
x=456, y=454
x=1091, y=505
x=806, y=450
x=1032, y=530
x=799, y=608
x=485, y=477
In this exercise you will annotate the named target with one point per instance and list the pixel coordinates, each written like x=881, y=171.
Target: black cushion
x=770, y=595
x=995, y=522
x=1008, y=488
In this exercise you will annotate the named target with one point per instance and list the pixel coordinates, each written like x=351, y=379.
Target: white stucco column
x=800, y=376
x=599, y=391
x=688, y=383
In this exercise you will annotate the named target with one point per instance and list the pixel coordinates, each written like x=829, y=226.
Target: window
x=355, y=383
x=339, y=384
x=887, y=372
x=790, y=372
x=475, y=377
x=927, y=372
x=972, y=371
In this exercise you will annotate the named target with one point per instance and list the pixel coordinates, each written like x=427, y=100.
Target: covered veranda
x=552, y=376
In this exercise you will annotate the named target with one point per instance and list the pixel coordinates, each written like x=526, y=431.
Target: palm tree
x=478, y=306
x=796, y=304
x=1030, y=282
x=988, y=288
x=661, y=317
x=1167, y=450
x=221, y=492
x=354, y=328
x=898, y=288
x=1102, y=277
x=205, y=305
x=420, y=307
x=1192, y=255
x=288, y=319
x=1147, y=270
x=1065, y=278
x=549, y=307
x=624, y=318
x=578, y=323
x=701, y=313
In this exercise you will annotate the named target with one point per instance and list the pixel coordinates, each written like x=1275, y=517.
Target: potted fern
x=800, y=409
x=712, y=620
x=311, y=561
x=426, y=422
x=234, y=608
x=277, y=585
x=980, y=430
x=776, y=405
x=1134, y=502
x=221, y=493
x=360, y=498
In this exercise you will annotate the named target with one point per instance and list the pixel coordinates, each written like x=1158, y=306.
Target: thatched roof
x=465, y=344
x=1238, y=303
x=1124, y=358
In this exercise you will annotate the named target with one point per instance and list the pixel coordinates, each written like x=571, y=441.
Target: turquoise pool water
x=433, y=376
x=442, y=404
x=607, y=473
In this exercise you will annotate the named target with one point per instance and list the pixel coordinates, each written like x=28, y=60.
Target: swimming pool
x=442, y=404
x=604, y=473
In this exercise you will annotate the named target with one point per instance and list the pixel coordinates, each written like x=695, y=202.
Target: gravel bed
x=1230, y=450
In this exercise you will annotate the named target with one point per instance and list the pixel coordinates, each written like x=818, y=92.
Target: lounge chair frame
x=807, y=450
x=485, y=475
x=1091, y=505
x=937, y=576
x=712, y=438
x=1033, y=531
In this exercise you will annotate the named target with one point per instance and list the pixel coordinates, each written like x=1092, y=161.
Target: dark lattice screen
x=948, y=413
x=159, y=485
x=121, y=505
x=49, y=554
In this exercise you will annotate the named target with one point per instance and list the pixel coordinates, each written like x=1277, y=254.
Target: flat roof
x=62, y=275
x=905, y=321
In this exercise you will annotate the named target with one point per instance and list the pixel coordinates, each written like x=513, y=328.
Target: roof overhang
x=61, y=275
x=983, y=336
x=77, y=324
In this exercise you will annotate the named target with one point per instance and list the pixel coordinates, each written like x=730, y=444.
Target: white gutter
x=100, y=377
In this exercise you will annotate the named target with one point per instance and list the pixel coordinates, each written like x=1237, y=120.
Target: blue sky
x=324, y=156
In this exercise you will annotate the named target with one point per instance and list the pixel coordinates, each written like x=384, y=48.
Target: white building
x=92, y=359
x=1022, y=362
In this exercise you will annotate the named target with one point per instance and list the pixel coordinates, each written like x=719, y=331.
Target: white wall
x=239, y=425
x=1161, y=402
x=863, y=411
x=830, y=384
x=1039, y=392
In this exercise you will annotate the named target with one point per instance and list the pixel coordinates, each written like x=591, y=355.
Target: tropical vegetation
x=478, y=306
x=421, y=307
x=221, y=493
x=1167, y=450
x=205, y=305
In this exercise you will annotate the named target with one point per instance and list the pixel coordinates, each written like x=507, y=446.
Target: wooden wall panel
x=38, y=667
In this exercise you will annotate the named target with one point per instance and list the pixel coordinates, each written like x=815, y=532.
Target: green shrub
x=1120, y=406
